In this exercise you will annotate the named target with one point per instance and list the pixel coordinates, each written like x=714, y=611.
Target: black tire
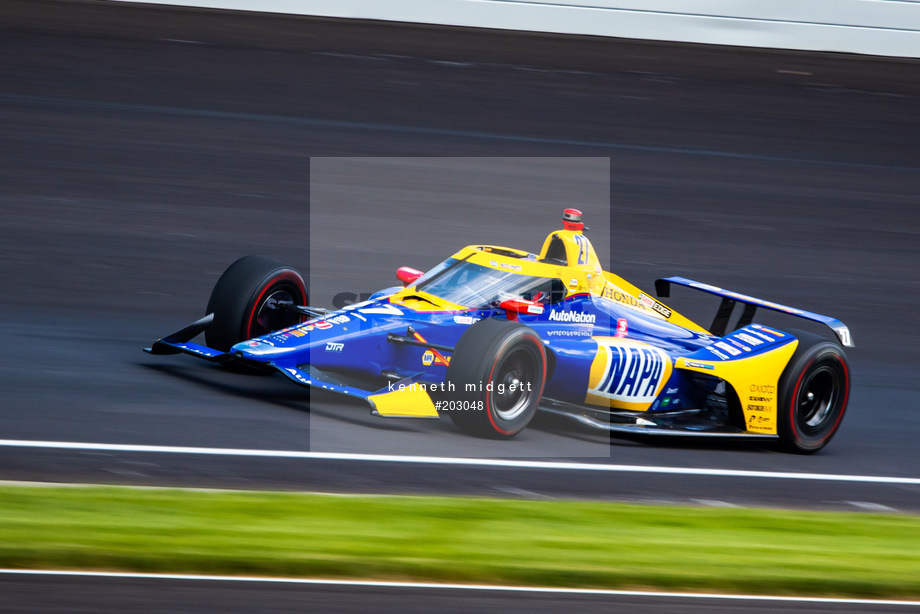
x=244, y=301
x=496, y=351
x=813, y=394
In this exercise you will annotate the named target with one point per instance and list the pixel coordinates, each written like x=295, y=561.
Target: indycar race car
x=493, y=334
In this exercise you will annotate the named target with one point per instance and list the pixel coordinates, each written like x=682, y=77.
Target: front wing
x=403, y=399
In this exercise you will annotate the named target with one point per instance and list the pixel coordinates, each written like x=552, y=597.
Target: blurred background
x=145, y=148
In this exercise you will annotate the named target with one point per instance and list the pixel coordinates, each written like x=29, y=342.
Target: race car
x=493, y=334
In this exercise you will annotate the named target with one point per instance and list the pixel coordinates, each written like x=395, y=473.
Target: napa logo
x=627, y=374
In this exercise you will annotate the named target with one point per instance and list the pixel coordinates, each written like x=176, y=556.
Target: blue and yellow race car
x=493, y=334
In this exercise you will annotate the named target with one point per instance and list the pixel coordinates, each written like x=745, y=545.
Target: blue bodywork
x=610, y=351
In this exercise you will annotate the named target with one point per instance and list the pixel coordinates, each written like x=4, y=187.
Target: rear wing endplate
x=729, y=298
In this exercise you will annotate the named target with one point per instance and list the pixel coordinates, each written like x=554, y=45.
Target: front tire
x=503, y=364
x=813, y=394
x=245, y=301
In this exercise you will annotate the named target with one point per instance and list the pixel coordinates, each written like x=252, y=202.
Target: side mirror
x=407, y=275
x=515, y=306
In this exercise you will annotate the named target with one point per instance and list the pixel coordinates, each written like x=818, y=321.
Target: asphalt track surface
x=178, y=594
x=144, y=149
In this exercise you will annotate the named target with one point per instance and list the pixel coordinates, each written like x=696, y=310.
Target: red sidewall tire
x=287, y=280
x=491, y=353
x=814, y=392
x=241, y=301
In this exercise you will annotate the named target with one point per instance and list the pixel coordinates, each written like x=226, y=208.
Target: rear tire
x=491, y=356
x=813, y=394
x=245, y=301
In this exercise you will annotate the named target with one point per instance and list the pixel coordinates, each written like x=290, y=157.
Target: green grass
x=558, y=543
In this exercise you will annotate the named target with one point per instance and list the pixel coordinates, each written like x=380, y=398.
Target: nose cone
x=261, y=348
x=299, y=338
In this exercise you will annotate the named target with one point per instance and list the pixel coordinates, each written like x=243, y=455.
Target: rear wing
x=729, y=298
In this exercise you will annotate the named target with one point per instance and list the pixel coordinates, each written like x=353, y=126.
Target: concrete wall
x=875, y=27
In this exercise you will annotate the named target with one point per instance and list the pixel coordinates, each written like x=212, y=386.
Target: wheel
x=246, y=297
x=813, y=394
x=496, y=377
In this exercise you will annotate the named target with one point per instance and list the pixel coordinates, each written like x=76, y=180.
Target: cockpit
x=478, y=286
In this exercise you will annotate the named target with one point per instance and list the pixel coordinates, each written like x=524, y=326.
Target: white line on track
x=459, y=587
x=469, y=462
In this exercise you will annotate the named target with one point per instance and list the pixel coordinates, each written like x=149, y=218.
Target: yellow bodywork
x=582, y=274
x=757, y=392
x=405, y=401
